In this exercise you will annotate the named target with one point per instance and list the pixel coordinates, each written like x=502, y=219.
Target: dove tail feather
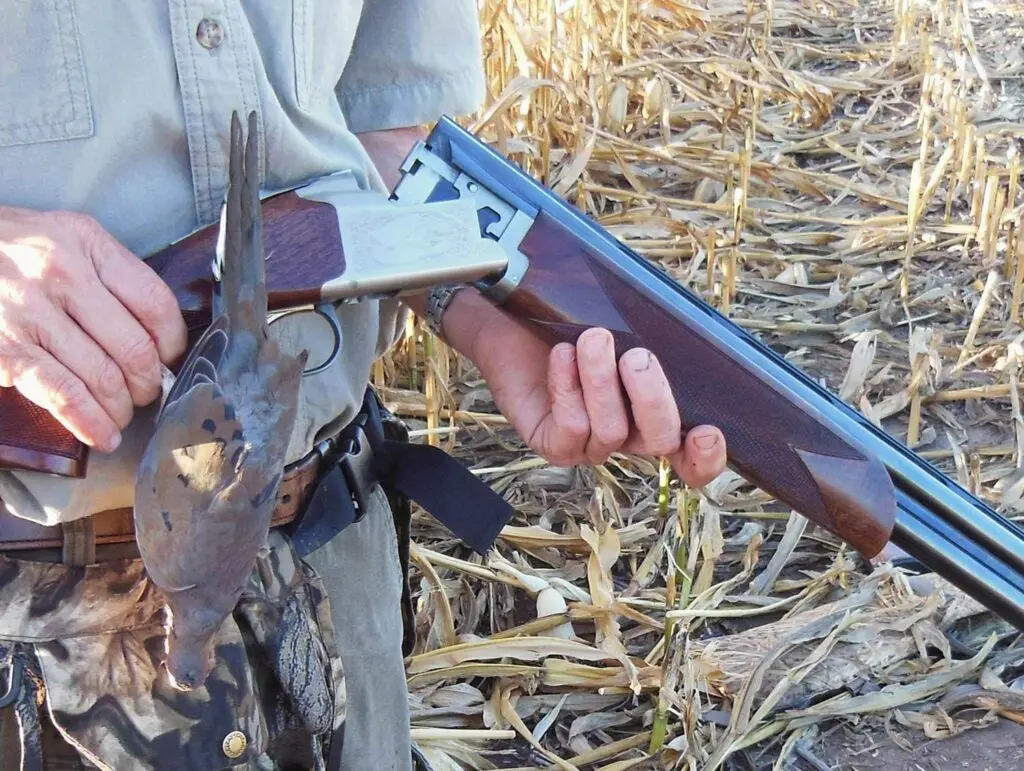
x=243, y=273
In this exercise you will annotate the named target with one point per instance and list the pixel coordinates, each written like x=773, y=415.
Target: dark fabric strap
x=405, y=472
x=427, y=475
x=448, y=491
x=436, y=481
x=330, y=510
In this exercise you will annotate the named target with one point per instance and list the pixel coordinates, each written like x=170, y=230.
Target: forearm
x=469, y=318
x=387, y=149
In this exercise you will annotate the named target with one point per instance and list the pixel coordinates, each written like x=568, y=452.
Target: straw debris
x=842, y=179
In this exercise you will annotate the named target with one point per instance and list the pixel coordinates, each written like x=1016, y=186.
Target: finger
x=60, y=337
x=138, y=288
x=569, y=428
x=43, y=380
x=602, y=393
x=122, y=337
x=655, y=413
x=702, y=458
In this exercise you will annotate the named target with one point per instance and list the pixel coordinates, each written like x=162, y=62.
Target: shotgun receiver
x=559, y=270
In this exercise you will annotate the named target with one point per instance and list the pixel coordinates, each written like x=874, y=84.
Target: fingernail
x=567, y=353
x=639, y=359
x=706, y=441
x=114, y=441
x=595, y=341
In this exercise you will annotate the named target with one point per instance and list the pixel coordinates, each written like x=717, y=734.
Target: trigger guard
x=326, y=312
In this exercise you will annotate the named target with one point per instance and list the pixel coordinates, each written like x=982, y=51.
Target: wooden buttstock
x=303, y=247
x=772, y=440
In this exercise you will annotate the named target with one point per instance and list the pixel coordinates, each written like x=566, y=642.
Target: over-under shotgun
x=561, y=271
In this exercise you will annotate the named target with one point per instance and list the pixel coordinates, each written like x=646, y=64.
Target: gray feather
x=207, y=483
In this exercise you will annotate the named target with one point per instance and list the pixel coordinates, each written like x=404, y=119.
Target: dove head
x=189, y=658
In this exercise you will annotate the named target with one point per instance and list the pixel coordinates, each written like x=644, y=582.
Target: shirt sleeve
x=411, y=62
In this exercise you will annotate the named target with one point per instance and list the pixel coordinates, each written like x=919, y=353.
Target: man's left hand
x=577, y=403
x=572, y=404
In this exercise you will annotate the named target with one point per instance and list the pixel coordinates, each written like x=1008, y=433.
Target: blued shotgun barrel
x=786, y=433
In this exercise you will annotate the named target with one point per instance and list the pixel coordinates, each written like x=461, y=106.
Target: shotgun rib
x=785, y=432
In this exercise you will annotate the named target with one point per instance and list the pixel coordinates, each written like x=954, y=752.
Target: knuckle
x=13, y=347
x=603, y=379
x=662, y=444
x=56, y=272
x=14, y=355
x=139, y=359
x=69, y=393
x=576, y=429
x=561, y=458
x=85, y=226
x=611, y=431
x=565, y=392
x=43, y=334
x=162, y=305
x=158, y=296
x=655, y=407
x=13, y=294
x=109, y=382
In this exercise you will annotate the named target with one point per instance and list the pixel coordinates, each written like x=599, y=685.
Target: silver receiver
x=392, y=250
x=423, y=171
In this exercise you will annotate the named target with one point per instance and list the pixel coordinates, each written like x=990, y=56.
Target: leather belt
x=117, y=526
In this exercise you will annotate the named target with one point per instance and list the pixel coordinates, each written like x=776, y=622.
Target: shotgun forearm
x=326, y=241
x=785, y=433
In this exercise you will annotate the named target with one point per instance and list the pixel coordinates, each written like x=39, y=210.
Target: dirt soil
x=999, y=747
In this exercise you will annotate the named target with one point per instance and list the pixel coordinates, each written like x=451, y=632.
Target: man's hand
x=84, y=323
x=575, y=404
x=572, y=404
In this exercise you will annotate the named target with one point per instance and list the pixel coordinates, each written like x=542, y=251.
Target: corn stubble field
x=841, y=178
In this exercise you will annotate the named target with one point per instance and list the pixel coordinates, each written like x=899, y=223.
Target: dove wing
x=190, y=481
x=203, y=362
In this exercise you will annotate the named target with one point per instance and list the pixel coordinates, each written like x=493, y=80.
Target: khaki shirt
x=122, y=110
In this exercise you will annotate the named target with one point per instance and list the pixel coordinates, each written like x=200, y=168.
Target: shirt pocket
x=322, y=37
x=44, y=95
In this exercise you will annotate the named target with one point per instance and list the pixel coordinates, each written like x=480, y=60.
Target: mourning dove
x=207, y=483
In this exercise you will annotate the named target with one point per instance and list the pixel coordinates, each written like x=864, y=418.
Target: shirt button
x=210, y=33
x=234, y=744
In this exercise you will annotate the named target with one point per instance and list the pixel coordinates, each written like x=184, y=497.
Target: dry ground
x=842, y=178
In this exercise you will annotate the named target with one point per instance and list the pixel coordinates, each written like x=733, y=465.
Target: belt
x=117, y=526
x=320, y=494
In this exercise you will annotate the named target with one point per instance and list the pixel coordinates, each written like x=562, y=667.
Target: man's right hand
x=84, y=323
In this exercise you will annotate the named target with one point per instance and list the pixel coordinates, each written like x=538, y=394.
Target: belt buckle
x=354, y=455
x=14, y=674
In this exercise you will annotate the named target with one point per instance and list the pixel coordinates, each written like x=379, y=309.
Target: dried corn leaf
x=841, y=179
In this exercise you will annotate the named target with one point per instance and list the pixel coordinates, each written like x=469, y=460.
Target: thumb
x=702, y=457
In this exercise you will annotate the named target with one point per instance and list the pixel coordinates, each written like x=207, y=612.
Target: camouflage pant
x=311, y=655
